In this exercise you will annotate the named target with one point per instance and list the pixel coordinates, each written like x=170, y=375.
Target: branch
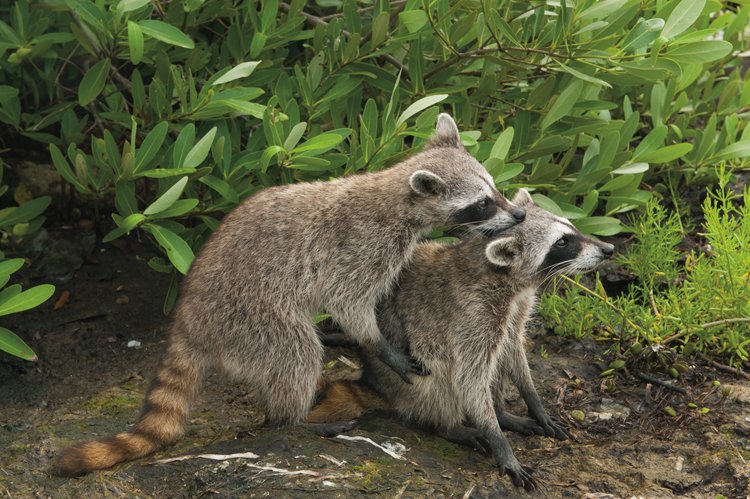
x=317, y=21
x=669, y=386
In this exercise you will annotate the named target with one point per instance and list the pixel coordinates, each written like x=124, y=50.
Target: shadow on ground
x=90, y=383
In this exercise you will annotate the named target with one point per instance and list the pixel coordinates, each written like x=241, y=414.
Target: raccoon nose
x=608, y=250
x=519, y=214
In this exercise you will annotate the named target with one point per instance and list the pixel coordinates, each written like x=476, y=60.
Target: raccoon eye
x=482, y=204
x=562, y=242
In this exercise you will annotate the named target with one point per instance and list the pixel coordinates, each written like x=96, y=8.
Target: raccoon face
x=455, y=187
x=544, y=245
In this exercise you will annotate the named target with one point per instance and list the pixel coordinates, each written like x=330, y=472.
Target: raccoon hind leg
x=292, y=368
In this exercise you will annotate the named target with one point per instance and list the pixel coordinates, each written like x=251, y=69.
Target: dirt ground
x=89, y=382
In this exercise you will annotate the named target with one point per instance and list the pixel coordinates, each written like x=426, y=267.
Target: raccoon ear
x=501, y=251
x=522, y=198
x=426, y=183
x=446, y=133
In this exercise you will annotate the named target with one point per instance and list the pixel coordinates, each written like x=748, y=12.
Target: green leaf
x=654, y=139
x=642, y=34
x=508, y=172
x=7, y=267
x=7, y=93
x=320, y=143
x=179, y=208
x=166, y=33
x=631, y=168
x=63, y=168
x=26, y=212
x=682, y=17
x=601, y=9
x=150, y=145
x=224, y=189
x=178, y=251
x=93, y=82
x=414, y=20
x=699, y=52
x=420, y=105
x=242, y=70
x=564, y=103
x=131, y=5
x=666, y=154
x=167, y=172
x=135, y=42
x=502, y=144
x=583, y=76
x=183, y=144
x=546, y=203
x=167, y=199
x=739, y=149
x=27, y=299
x=294, y=135
x=14, y=345
x=200, y=151
x=599, y=226
x=380, y=28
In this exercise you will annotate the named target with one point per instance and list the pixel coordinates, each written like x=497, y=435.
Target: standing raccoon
x=461, y=310
x=247, y=304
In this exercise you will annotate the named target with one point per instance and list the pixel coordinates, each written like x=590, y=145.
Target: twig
x=313, y=19
x=724, y=367
x=384, y=448
x=213, y=457
x=707, y=325
x=397, y=3
x=669, y=386
x=95, y=44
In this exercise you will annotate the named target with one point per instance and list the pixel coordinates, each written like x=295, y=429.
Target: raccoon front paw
x=551, y=427
x=401, y=363
x=519, y=475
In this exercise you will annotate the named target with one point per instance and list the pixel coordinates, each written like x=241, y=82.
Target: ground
x=89, y=382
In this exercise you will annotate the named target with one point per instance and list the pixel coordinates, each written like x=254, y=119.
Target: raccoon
x=284, y=254
x=461, y=310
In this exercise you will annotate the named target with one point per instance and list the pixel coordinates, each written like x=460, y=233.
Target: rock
x=609, y=409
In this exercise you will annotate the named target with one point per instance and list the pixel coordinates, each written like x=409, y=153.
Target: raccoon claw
x=520, y=476
x=518, y=424
x=401, y=363
x=552, y=428
x=417, y=367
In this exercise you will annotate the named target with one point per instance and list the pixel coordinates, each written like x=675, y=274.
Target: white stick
x=388, y=451
x=214, y=457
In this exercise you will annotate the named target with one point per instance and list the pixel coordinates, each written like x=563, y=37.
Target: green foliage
x=179, y=110
x=17, y=222
x=702, y=305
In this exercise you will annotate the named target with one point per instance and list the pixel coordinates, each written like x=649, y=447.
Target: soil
x=89, y=382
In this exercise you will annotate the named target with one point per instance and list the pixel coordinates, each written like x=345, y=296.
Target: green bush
x=17, y=222
x=702, y=305
x=179, y=110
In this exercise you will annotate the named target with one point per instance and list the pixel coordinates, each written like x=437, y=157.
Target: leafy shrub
x=702, y=305
x=18, y=222
x=179, y=110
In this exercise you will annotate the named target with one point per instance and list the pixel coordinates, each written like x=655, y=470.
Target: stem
x=605, y=300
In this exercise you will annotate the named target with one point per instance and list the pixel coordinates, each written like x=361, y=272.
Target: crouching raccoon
x=461, y=310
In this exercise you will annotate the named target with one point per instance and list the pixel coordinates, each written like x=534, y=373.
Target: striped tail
x=343, y=401
x=162, y=420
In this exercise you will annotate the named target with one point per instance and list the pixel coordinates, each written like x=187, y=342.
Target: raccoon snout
x=608, y=250
x=518, y=213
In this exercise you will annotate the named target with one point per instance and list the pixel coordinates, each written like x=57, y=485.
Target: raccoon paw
x=552, y=428
x=519, y=475
x=401, y=363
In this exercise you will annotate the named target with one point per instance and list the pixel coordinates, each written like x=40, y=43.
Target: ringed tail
x=162, y=420
x=343, y=401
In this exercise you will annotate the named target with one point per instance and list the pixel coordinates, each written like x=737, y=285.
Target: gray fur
x=461, y=310
x=289, y=252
